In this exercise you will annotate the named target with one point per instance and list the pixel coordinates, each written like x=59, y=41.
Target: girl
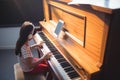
x=23, y=51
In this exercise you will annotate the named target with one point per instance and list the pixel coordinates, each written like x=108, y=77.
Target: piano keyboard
x=64, y=69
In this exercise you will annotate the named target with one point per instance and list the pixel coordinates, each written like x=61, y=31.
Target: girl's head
x=26, y=33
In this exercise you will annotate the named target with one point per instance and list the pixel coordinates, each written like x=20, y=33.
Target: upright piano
x=87, y=47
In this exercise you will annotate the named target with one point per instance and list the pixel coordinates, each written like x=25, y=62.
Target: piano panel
x=46, y=10
x=70, y=21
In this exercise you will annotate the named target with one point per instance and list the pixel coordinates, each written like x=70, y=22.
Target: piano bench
x=20, y=75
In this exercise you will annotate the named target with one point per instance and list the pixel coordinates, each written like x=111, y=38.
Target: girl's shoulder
x=25, y=46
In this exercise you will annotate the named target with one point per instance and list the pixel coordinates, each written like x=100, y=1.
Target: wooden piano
x=87, y=47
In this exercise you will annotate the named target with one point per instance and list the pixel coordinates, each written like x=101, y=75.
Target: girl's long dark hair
x=25, y=30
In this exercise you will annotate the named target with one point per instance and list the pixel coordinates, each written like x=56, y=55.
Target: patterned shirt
x=26, y=52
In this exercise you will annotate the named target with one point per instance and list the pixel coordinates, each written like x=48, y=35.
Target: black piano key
x=61, y=60
x=58, y=56
x=53, y=50
x=65, y=64
x=55, y=53
x=73, y=75
x=49, y=44
x=67, y=69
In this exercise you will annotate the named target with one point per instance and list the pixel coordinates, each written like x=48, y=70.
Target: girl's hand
x=47, y=56
x=40, y=44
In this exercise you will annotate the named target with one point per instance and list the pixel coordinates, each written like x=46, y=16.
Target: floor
x=7, y=60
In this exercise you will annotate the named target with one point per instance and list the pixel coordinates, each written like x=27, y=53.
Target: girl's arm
x=37, y=45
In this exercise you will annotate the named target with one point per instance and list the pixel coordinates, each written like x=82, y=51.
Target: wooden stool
x=20, y=75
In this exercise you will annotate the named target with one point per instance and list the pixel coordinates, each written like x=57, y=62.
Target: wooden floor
x=7, y=60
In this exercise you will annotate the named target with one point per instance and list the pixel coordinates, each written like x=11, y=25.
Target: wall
x=8, y=37
x=14, y=12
